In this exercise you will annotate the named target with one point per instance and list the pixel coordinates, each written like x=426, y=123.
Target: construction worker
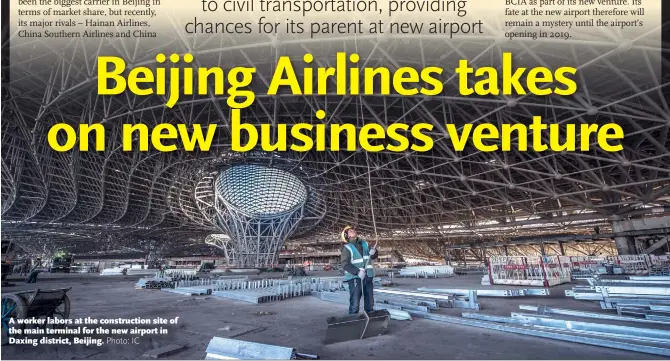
x=32, y=277
x=356, y=260
x=26, y=267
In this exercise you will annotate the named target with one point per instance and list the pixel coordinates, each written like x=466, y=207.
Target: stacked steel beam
x=427, y=271
x=274, y=290
x=490, y=293
x=649, y=340
x=155, y=283
x=194, y=287
x=406, y=300
x=635, y=295
x=256, y=291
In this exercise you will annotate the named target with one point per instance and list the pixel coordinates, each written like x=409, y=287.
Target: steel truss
x=258, y=208
x=77, y=199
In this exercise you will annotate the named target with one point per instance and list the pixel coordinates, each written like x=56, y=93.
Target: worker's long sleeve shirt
x=345, y=258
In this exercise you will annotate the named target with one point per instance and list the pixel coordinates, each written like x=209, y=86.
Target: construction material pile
x=429, y=299
x=402, y=303
x=258, y=291
x=584, y=267
x=197, y=287
x=276, y=290
x=659, y=271
x=129, y=271
x=155, y=283
x=182, y=273
x=84, y=269
x=179, y=276
x=490, y=293
x=635, y=294
x=427, y=271
x=651, y=339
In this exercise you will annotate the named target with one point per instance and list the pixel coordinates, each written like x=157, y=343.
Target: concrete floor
x=299, y=323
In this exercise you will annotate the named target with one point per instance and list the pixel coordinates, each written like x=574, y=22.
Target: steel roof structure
x=114, y=200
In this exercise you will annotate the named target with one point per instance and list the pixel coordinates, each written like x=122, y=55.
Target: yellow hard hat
x=343, y=235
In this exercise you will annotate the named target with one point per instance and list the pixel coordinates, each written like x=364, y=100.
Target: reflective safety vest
x=360, y=261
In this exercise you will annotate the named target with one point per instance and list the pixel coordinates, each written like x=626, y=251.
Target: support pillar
x=560, y=244
x=447, y=257
x=624, y=244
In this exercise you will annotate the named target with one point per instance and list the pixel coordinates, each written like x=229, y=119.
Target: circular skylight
x=260, y=191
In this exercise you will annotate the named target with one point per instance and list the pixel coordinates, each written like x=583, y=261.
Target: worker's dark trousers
x=355, y=292
x=33, y=277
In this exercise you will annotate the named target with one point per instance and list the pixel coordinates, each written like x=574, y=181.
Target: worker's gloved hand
x=361, y=273
x=373, y=251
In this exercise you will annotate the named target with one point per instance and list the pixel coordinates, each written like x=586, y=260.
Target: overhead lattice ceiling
x=90, y=199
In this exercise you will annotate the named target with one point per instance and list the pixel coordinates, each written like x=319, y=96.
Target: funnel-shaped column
x=259, y=208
